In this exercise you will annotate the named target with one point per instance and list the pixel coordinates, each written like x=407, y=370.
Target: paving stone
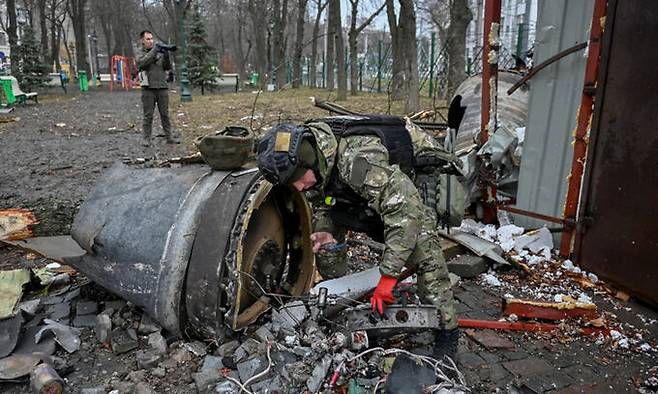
x=489, y=357
x=227, y=349
x=103, y=327
x=528, y=367
x=467, y=265
x=317, y=376
x=490, y=339
x=460, y=307
x=73, y=294
x=84, y=321
x=122, y=342
x=210, y=373
x=226, y=387
x=471, y=360
x=274, y=385
x=148, y=358
x=246, y=349
x=514, y=354
x=52, y=300
x=582, y=373
x=86, y=308
x=290, y=315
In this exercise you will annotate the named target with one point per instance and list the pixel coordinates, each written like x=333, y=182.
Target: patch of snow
x=491, y=279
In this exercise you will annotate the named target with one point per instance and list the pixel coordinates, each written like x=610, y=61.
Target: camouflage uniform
x=410, y=236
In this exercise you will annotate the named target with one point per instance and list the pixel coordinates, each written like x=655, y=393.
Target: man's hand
x=383, y=293
x=320, y=239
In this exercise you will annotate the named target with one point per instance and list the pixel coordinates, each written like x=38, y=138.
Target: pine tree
x=33, y=72
x=200, y=68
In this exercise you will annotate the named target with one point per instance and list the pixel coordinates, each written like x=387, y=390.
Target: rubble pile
x=547, y=277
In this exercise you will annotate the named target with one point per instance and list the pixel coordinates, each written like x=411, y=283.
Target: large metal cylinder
x=196, y=249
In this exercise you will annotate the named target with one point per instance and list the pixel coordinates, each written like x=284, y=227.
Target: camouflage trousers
x=431, y=270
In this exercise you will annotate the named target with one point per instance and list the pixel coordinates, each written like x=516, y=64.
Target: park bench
x=20, y=95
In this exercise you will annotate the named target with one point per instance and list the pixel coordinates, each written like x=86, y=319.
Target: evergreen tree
x=33, y=73
x=201, y=70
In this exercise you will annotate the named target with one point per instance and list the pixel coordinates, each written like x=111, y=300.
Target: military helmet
x=285, y=153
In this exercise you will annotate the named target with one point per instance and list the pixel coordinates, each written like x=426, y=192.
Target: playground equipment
x=122, y=70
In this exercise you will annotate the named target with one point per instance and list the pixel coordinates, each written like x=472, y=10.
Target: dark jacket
x=155, y=65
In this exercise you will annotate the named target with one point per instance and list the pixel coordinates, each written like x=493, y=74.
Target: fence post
x=379, y=67
x=324, y=66
x=432, y=41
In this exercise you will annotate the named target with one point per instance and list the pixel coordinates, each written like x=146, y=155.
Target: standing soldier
x=358, y=174
x=153, y=64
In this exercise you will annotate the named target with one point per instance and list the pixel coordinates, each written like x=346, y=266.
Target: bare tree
x=10, y=27
x=329, y=58
x=76, y=11
x=279, y=21
x=352, y=39
x=320, y=6
x=299, y=44
x=405, y=59
x=460, y=17
x=56, y=14
x=336, y=43
x=257, y=10
x=45, y=53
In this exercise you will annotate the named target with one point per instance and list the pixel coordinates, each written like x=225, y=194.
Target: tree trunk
x=45, y=53
x=66, y=46
x=397, y=49
x=408, y=38
x=279, y=19
x=314, y=46
x=460, y=17
x=258, y=15
x=77, y=14
x=330, y=55
x=299, y=44
x=340, y=57
x=12, y=36
x=353, y=36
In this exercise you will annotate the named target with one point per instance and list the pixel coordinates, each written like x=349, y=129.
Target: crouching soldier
x=359, y=174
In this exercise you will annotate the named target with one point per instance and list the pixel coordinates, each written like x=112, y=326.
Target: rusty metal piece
x=522, y=326
x=582, y=127
x=397, y=319
x=548, y=310
x=535, y=215
x=620, y=184
x=45, y=380
x=15, y=224
x=545, y=64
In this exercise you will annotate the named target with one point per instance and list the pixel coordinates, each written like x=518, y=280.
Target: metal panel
x=555, y=93
x=621, y=185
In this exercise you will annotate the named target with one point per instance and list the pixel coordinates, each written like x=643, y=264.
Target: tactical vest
x=348, y=208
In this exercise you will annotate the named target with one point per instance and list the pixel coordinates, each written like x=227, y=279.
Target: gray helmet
x=285, y=152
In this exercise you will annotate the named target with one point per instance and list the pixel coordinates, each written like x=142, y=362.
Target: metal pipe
x=545, y=64
x=582, y=126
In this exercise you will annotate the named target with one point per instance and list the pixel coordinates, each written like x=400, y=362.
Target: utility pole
x=185, y=93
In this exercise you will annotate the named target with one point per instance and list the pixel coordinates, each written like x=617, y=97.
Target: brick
x=467, y=266
x=528, y=367
x=516, y=354
x=490, y=339
x=471, y=360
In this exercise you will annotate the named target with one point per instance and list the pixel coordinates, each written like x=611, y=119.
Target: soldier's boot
x=171, y=139
x=146, y=139
x=434, y=288
x=446, y=343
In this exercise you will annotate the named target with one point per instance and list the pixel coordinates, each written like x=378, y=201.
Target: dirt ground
x=54, y=152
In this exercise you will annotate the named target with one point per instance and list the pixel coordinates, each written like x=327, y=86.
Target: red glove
x=383, y=293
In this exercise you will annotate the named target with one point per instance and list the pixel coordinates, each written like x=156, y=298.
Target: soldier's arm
x=147, y=59
x=363, y=165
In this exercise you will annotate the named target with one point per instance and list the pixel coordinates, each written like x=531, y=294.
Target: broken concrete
x=122, y=342
x=319, y=372
x=467, y=266
x=157, y=342
x=86, y=308
x=148, y=358
x=103, y=327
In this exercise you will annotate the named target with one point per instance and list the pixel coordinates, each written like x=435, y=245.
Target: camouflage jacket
x=362, y=163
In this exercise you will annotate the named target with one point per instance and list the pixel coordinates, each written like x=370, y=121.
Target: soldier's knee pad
x=331, y=264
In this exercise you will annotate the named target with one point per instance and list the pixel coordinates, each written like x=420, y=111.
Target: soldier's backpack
x=430, y=174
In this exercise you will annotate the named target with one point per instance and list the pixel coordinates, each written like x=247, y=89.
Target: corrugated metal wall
x=555, y=94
